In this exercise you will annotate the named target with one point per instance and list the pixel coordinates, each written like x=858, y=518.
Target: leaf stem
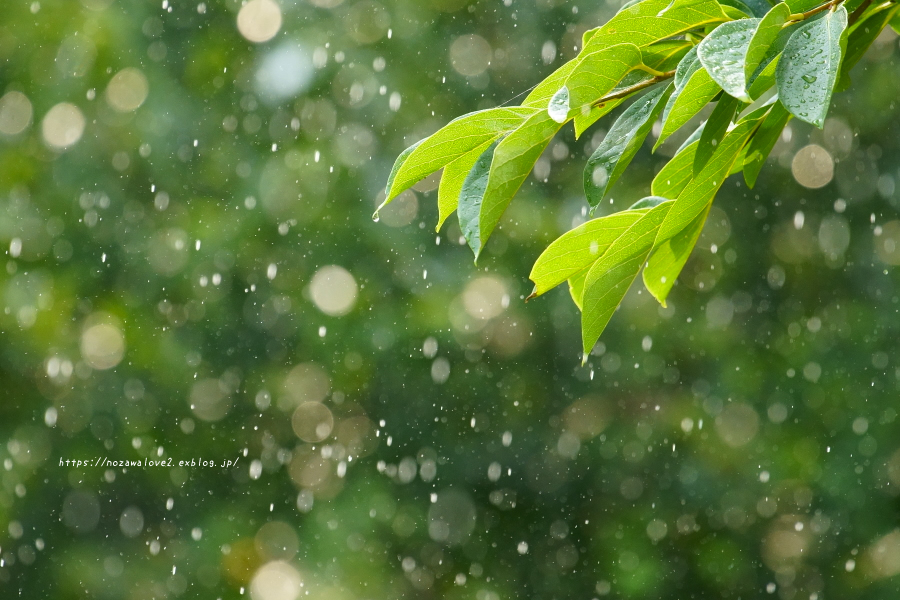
x=625, y=92
x=650, y=70
x=812, y=12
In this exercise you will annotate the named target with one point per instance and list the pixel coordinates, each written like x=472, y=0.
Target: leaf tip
x=533, y=294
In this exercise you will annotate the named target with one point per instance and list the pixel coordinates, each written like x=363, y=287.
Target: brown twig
x=814, y=11
x=633, y=88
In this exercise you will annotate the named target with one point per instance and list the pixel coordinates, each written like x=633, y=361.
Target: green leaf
x=398, y=163
x=648, y=202
x=682, y=106
x=595, y=75
x=714, y=130
x=583, y=122
x=687, y=66
x=611, y=276
x=471, y=197
x=864, y=33
x=661, y=56
x=766, y=34
x=622, y=142
x=452, y=141
x=765, y=79
x=895, y=24
x=576, y=288
x=513, y=160
x=809, y=67
x=703, y=187
x=801, y=6
x=763, y=141
x=668, y=259
x=576, y=250
x=751, y=8
x=664, y=55
x=544, y=91
x=641, y=24
x=452, y=181
x=722, y=54
x=673, y=177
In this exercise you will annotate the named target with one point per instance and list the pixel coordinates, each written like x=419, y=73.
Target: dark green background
x=739, y=443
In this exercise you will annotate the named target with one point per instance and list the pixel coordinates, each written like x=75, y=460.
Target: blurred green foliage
x=191, y=272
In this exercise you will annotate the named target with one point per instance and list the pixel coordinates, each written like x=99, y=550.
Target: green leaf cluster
x=759, y=64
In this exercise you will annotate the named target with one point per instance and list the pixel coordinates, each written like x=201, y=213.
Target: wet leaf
x=610, y=277
x=722, y=53
x=596, y=74
x=673, y=177
x=763, y=141
x=714, y=130
x=513, y=160
x=669, y=258
x=809, y=67
x=765, y=36
x=621, y=143
x=453, y=140
x=685, y=104
x=576, y=250
x=703, y=187
x=452, y=181
x=471, y=197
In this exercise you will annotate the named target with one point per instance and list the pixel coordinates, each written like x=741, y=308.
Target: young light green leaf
x=661, y=56
x=543, y=92
x=596, y=74
x=452, y=181
x=621, y=143
x=722, y=54
x=697, y=92
x=763, y=141
x=611, y=276
x=576, y=288
x=714, y=130
x=764, y=37
x=809, y=66
x=576, y=250
x=667, y=260
x=398, y=163
x=673, y=177
x=471, y=197
x=664, y=55
x=703, y=187
x=641, y=23
x=452, y=141
x=513, y=160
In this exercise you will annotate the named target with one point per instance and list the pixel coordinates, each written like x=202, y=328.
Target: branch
x=632, y=89
x=812, y=12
